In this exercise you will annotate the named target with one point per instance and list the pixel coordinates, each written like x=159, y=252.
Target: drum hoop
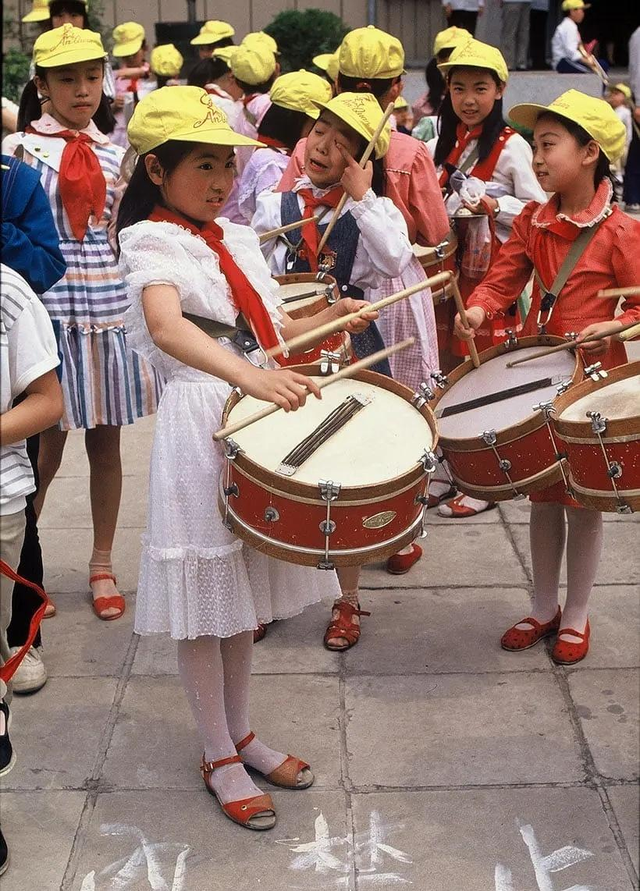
x=449, y=252
x=594, y=441
x=605, y=493
x=291, y=278
x=620, y=427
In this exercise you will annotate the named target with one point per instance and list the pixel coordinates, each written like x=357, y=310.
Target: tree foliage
x=15, y=73
x=303, y=34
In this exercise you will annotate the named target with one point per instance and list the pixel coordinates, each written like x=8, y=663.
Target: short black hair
x=206, y=71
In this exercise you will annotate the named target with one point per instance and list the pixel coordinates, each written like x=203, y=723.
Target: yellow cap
x=253, y=63
x=67, y=45
x=362, y=112
x=212, y=32
x=128, y=39
x=624, y=89
x=400, y=103
x=328, y=62
x=39, y=12
x=568, y=5
x=263, y=38
x=450, y=38
x=225, y=53
x=183, y=114
x=165, y=60
x=594, y=115
x=299, y=91
x=371, y=53
x=475, y=54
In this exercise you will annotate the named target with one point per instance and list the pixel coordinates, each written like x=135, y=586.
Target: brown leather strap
x=210, y=766
x=245, y=742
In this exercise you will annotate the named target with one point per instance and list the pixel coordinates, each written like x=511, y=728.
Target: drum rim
x=617, y=427
x=450, y=252
x=288, y=486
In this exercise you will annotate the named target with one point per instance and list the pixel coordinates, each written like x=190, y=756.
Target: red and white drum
x=494, y=421
x=598, y=425
x=304, y=294
x=441, y=258
x=340, y=482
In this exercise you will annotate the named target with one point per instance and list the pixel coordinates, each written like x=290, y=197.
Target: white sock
x=546, y=537
x=584, y=549
x=476, y=504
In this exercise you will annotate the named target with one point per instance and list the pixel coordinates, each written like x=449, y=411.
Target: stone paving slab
x=66, y=559
x=615, y=618
x=465, y=840
x=216, y=855
x=625, y=801
x=40, y=828
x=459, y=730
x=607, y=703
x=67, y=506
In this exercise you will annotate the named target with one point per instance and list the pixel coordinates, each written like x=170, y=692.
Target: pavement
x=442, y=762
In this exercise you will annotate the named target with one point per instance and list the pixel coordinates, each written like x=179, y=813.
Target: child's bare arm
x=40, y=410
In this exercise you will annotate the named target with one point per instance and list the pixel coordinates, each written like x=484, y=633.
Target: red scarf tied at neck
x=81, y=182
x=310, y=230
x=244, y=295
x=481, y=169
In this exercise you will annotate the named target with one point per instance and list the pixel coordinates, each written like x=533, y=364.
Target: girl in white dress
x=197, y=581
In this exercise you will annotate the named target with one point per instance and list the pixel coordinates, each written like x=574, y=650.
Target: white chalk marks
x=543, y=866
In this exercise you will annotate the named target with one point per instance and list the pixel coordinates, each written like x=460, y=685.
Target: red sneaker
x=401, y=563
x=522, y=638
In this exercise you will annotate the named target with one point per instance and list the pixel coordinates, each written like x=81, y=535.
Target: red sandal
x=260, y=632
x=291, y=774
x=515, y=638
x=255, y=813
x=344, y=626
x=102, y=604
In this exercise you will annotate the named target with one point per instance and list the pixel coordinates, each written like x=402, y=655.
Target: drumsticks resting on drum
x=349, y=371
x=363, y=163
x=570, y=345
x=272, y=233
x=322, y=331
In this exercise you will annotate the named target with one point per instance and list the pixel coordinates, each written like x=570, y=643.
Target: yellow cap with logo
x=183, y=114
x=212, y=32
x=128, y=39
x=594, y=115
x=166, y=60
x=39, y=12
x=450, y=38
x=371, y=53
x=475, y=54
x=568, y=5
x=624, y=89
x=300, y=91
x=328, y=62
x=253, y=63
x=362, y=112
x=67, y=45
x=261, y=37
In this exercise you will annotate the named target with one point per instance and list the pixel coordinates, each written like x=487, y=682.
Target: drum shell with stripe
x=372, y=521
x=588, y=469
x=526, y=443
x=327, y=293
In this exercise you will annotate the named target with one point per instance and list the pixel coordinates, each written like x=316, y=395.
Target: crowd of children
x=135, y=264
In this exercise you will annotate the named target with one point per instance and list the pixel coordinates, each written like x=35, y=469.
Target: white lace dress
x=196, y=578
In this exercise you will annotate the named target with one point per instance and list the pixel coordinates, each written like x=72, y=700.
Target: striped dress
x=102, y=381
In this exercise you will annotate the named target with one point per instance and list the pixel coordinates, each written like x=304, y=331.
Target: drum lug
x=546, y=408
x=440, y=249
x=327, y=527
x=423, y=394
x=231, y=490
x=615, y=470
x=330, y=362
x=271, y=515
x=490, y=437
x=231, y=449
x=596, y=372
x=512, y=340
x=624, y=508
x=563, y=387
x=441, y=380
x=505, y=465
x=329, y=491
x=598, y=423
x=571, y=335
x=429, y=461
x=330, y=295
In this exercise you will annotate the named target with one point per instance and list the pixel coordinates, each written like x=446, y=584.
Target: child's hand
x=355, y=181
x=486, y=206
x=283, y=387
x=346, y=305
x=598, y=347
x=475, y=317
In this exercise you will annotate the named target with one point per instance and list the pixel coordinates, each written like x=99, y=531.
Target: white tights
x=215, y=674
x=584, y=548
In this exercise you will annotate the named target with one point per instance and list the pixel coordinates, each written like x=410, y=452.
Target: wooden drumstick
x=349, y=371
x=633, y=291
x=318, y=334
x=363, y=163
x=571, y=345
x=273, y=233
x=457, y=296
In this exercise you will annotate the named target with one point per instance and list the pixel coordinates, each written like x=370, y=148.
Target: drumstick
x=349, y=371
x=570, y=345
x=322, y=331
x=633, y=291
x=457, y=296
x=272, y=233
x=363, y=163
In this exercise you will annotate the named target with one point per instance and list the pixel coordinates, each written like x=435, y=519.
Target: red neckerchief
x=481, y=169
x=245, y=297
x=274, y=143
x=310, y=230
x=246, y=99
x=81, y=182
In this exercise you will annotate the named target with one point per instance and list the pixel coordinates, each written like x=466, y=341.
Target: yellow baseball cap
x=624, y=89
x=475, y=54
x=263, y=38
x=39, y=12
x=450, y=38
x=67, y=45
x=568, y=5
x=594, y=115
x=253, y=63
x=300, y=91
x=212, y=32
x=400, y=103
x=328, y=62
x=225, y=53
x=362, y=112
x=166, y=60
x=370, y=52
x=128, y=39
x=183, y=114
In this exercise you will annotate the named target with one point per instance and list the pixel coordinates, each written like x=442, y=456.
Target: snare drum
x=598, y=425
x=441, y=258
x=303, y=295
x=341, y=481
x=494, y=421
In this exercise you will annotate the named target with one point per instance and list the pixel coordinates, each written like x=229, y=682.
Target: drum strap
x=240, y=334
x=550, y=295
x=498, y=396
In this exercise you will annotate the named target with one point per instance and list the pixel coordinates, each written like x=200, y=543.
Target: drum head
x=492, y=377
x=615, y=401
x=382, y=441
